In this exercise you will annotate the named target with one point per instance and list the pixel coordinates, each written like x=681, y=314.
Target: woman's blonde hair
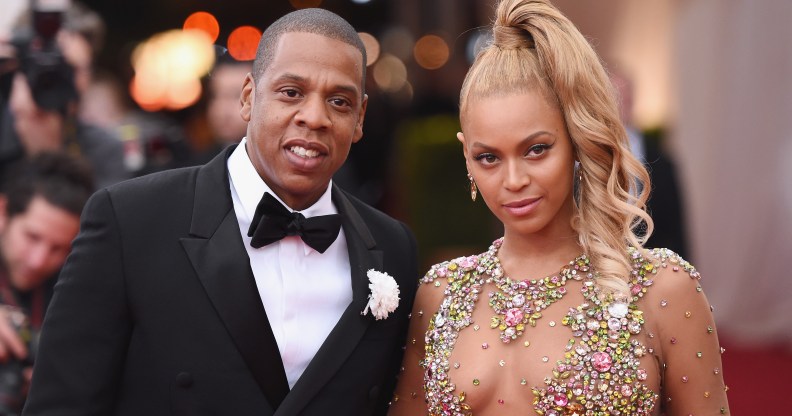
x=537, y=49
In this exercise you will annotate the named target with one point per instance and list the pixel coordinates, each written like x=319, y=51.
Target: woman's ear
x=461, y=138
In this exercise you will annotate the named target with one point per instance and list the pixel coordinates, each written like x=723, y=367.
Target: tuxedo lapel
x=350, y=328
x=216, y=251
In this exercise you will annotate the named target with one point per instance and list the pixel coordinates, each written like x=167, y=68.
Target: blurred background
x=705, y=87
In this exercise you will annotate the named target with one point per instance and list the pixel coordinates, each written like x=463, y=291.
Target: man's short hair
x=78, y=18
x=316, y=21
x=61, y=179
x=227, y=61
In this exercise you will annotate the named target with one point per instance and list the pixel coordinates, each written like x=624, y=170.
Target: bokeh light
x=304, y=4
x=168, y=67
x=242, y=43
x=183, y=94
x=404, y=95
x=389, y=73
x=148, y=91
x=431, y=52
x=186, y=54
x=372, y=47
x=398, y=41
x=203, y=21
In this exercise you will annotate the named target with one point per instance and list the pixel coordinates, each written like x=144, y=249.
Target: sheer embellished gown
x=484, y=343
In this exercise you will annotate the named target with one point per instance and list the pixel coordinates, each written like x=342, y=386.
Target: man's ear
x=359, y=127
x=247, y=97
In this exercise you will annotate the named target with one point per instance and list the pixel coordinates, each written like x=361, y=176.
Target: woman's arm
x=409, y=398
x=690, y=355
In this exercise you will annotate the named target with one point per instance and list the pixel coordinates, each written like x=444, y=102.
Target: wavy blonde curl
x=536, y=48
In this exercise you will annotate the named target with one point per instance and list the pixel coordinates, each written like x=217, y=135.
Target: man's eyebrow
x=291, y=77
x=348, y=88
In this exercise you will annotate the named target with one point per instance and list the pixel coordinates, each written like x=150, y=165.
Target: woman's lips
x=522, y=207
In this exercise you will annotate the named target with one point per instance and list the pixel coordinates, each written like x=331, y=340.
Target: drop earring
x=473, y=188
x=577, y=181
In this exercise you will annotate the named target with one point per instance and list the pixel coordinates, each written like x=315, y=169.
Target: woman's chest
x=572, y=356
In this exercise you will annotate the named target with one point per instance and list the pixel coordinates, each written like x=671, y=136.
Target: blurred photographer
x=43, y=68
x=40, y=207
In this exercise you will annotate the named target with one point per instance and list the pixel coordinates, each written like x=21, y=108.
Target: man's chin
x=27, y=283
x=306, y=192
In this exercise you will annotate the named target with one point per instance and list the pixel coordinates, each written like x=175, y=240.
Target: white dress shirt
x=636, y=143
x=303, y=291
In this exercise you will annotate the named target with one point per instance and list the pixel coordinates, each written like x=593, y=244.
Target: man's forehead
x=39, y=206
x=307, y=40
x=301, y=63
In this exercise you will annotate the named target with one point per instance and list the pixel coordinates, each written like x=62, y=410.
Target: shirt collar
x=250, y=187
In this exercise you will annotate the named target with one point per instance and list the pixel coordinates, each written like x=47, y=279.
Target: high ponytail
x=536, y=48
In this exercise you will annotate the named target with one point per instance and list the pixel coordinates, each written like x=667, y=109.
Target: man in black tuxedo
x=665, y=203
x=202, y=291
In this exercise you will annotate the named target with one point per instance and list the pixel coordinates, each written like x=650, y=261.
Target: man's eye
x=290, y=93
x=341, y=102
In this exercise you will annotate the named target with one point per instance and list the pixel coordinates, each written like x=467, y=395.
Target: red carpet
x=758, y=379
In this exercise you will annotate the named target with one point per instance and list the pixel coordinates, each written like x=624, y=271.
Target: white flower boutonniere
x=384, y=297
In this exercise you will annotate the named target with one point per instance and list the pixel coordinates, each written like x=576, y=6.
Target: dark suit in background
x=665, y=205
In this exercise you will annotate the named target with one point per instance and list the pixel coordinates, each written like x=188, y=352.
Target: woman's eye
x=538, y=150
x=486, y=158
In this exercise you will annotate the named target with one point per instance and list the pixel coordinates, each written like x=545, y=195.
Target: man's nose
x=38, y=256
x=21, y=98
x=313, y=113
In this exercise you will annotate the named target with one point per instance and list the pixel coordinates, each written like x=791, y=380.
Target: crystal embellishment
x=518, y=304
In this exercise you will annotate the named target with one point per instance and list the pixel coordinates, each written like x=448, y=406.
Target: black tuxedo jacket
x=665, y=202
x=156, y=311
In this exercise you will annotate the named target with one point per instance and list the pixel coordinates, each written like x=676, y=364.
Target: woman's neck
x=535, y=256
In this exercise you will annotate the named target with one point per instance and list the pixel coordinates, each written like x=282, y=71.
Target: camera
x=49, y=75
x=12, y=378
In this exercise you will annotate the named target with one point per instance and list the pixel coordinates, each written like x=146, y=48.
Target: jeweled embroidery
x=600, y=373
x=518, y=303
x=464, y=286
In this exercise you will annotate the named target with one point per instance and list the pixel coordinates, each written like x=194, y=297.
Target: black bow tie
x=272, y=221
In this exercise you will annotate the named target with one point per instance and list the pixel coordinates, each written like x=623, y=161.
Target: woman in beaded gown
x=567, y=313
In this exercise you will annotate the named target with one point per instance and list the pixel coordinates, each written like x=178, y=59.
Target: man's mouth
x=303, y=152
